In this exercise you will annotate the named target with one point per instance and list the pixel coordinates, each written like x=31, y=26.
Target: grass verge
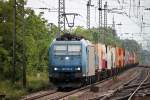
x=35, y=82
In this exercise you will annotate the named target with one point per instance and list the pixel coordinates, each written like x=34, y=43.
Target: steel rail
x=85, y=88
x=138, y=87
x=105, y=97
x=80, y=89
x=40, y=95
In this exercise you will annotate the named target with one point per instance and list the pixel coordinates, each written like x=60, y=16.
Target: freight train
x=75, y=61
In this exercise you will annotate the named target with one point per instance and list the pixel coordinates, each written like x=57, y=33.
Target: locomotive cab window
x=60, y=49
x=67, y=49
x=74, y=49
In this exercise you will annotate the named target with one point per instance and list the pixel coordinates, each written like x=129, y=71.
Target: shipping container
x=120, y=57
x=91, y=60
x=130, y=58
x=135, y=58
x=126, y=57
x=117, y=57
x=104, y=55
x=101, y=55
x=113, y=54
x=98, y=47
x=109, y=57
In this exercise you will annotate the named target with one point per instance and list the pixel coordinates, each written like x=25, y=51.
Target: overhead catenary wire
x=93, y=11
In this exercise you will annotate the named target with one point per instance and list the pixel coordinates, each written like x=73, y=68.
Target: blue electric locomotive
x=71, y=62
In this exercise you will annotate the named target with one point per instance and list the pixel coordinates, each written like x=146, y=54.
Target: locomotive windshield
x=60, y=49
x=73, y=49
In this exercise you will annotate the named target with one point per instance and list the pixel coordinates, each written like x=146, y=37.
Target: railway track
x=132, y=88
x=39, y=95
x=57, y=95
x=62, y=95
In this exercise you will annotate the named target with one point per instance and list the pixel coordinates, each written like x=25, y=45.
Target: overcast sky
x=129, y=24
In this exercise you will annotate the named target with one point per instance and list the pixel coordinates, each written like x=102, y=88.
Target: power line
x=43, y=2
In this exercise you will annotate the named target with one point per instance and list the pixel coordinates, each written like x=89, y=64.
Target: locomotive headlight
x=55, y=69
x=67, y=58
x=78, y=68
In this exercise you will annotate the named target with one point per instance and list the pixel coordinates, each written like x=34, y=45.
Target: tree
x=131, y=45
x=37, y=39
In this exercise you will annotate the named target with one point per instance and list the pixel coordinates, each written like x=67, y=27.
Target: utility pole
x=100, y=14
x=113, y=26
x=142, y=27
x=100, y=19
x=61, y=18
x=14, y=42
x=21, y=12
x=138, y=8
x=130, y=9
x=142, y=24
x=113, y=23
x=88, y=13
x=105, y=15
x=23, y=42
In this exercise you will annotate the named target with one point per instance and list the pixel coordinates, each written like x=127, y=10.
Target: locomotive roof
x=69, y=37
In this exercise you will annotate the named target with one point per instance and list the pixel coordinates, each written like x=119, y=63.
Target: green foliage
x=37, y=36
x=83, y=32
x=145, y=57
x=5, y=38
x=12, y=92
x=131, y=45
x=106, y=36
x=37, y=81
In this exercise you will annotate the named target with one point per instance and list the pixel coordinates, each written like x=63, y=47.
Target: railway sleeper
x=136, y=85
x=119, y=97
